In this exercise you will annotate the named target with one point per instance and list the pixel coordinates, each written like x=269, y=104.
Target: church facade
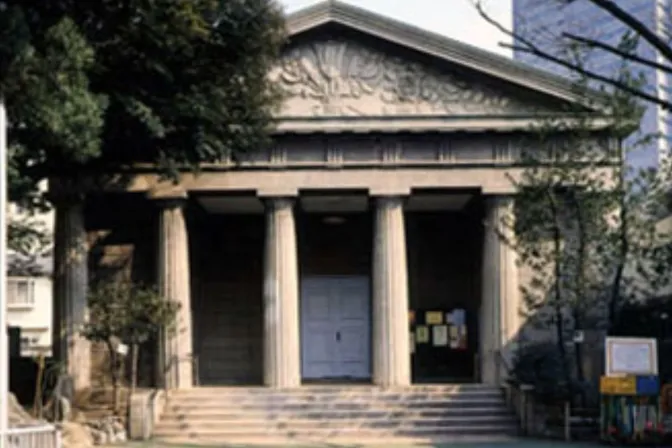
x=364, y=246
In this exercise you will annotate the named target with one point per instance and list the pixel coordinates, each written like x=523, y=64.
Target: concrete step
x=227, y=415
x=233, y=416
x=185, y=406
x=326, y=392
x=255, y=426
x=341, y=441
x=224, y=433
x=327, y=398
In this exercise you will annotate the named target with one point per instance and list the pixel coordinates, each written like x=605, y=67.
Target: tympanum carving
x=339, y=77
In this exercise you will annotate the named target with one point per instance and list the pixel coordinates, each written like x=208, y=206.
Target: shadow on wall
x=121, y=229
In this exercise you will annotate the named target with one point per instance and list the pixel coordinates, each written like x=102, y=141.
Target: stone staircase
x=361, y=414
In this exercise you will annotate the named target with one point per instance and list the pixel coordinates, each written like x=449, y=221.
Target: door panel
x=354, y=326
x=335, y=324
x=317, y=329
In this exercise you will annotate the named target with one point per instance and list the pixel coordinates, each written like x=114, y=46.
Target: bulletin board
x=439, y=343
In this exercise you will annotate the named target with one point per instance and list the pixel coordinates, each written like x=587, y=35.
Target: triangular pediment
x=342, y=61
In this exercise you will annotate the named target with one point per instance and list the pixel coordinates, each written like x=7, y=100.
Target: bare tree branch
x=611, y=49
x=531, y=48
x=636, y=25
x=594, y=76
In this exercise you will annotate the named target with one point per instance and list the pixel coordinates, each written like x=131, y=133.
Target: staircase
x=362, y=414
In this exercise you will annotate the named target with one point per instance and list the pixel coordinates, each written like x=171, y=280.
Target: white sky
x=453, y=18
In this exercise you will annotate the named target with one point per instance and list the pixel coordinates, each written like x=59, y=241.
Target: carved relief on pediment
x=344, y=78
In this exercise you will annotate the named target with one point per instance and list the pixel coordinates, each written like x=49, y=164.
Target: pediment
x=336, y=77
x=343, y=61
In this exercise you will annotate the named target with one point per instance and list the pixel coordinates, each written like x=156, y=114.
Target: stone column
x=282, y=361
x=499, y=319
x=70, y=288
x=392, y=359
x=173, y=278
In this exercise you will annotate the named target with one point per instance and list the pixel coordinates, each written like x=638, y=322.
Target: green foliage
x=29, y=240
x=541, y=366
x=585, y=221
x=95, y=86
x=585, y=227
x=55, y=122
x=127, y=312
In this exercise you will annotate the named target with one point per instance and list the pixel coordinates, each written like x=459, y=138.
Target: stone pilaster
x=282, y=362
x=391, y=359
x=500, y=319
x=173, y=278
x=70, y=289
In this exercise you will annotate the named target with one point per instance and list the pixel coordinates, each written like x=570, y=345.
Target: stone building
x=354, y=249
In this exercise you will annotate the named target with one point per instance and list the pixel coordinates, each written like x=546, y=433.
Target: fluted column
x=175, y=348
x=392, y=359
x=500, y=319
x=70, y=288
x=282, y=362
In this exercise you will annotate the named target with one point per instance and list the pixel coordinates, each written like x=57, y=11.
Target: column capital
x=389, y=192
x=278, y=202
x=167, y=192
x=277, y=192
x=499, y=198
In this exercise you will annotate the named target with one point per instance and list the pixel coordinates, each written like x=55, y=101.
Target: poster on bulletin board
x=422, y=334
x=434, y=318
x=440, y=335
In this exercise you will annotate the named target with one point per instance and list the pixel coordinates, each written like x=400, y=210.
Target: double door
x=335, y=327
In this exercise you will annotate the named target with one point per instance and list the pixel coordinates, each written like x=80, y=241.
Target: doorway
x=335, y=328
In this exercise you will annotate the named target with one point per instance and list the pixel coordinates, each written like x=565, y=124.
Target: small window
x=20, y=292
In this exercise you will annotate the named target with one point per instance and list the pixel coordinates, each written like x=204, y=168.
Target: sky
x=453, y=18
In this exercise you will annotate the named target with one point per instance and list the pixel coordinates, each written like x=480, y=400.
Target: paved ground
x=523, y=443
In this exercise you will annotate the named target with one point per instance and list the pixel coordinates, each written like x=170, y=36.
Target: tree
x=122, y=313
x=559, y=49
x=585, y=226
x=93, y=88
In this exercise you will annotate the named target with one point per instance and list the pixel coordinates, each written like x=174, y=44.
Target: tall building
x=544, y=21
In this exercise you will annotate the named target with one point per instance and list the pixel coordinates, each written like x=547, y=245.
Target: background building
x=544, y=21
x=29, y=288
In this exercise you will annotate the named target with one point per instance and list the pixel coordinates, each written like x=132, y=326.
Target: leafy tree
x=585, y=225
x=94, y=87
x=121, y=312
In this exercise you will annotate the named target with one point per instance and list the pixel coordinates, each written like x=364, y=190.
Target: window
x=20, y=292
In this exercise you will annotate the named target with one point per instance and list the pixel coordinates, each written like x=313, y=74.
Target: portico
x=332, y=298
x=377, y=210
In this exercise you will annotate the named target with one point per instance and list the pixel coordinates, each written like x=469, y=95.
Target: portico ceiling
x=331, y=203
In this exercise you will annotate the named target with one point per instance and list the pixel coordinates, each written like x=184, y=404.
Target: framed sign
x=631, y=356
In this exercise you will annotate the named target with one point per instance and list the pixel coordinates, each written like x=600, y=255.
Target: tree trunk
x=623, y=250
x=557, y=288
x=580, y=288
x=134, y=366
x=114, y=373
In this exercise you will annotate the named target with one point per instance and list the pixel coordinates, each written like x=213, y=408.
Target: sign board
x=610, y=385
x=631, y=356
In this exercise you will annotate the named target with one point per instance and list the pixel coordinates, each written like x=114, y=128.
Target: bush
x=540, y=365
